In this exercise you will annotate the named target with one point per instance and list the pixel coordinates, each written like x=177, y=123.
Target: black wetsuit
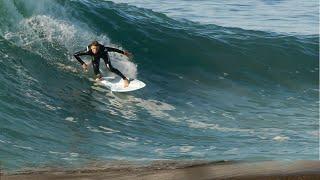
x=102, y=53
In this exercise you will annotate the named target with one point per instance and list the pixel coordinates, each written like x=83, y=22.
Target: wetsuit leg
x=110, y=67
x=114, y=70
x=95, y=65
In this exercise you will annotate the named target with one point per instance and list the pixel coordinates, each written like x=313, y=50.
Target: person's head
x=94, y=46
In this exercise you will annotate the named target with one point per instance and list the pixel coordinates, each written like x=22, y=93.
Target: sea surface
x=226, y=80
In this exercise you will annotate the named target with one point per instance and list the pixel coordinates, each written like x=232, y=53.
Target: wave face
x=212, y=93
x=287, y=17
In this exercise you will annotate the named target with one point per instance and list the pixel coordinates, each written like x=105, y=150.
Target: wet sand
x=192, y=171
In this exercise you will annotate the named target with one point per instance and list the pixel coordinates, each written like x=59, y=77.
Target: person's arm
x=111, y=49
x=81, y=53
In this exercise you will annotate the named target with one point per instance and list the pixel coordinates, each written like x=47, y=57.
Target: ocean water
x=225, y=81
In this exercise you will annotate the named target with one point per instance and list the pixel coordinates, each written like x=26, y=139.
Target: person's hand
x=85, y=67
x=128, y=54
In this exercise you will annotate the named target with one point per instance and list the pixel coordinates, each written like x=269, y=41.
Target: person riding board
x=97, y=51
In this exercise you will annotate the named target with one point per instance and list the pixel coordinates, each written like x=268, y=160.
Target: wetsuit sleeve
x=81, y=53
x=110, y=49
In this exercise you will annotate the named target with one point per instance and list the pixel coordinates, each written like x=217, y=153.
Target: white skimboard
x=117, y=85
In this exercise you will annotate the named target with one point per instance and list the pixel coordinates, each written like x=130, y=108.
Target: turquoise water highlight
x=213, y=92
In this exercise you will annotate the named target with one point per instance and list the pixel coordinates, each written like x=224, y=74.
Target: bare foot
x=99, y=77
x=126, y=83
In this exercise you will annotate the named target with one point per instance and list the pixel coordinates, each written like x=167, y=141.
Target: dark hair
x=94, y=43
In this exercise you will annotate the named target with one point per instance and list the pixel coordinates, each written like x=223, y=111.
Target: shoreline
x=189, y=170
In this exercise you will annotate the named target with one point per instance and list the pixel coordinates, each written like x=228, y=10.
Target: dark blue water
x=219, y=86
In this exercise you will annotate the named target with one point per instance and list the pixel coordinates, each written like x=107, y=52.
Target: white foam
x=291, y=98
x=54, y=152
x=281, y=138
x=128, y=107
x=50, y=107
x=132, y=139
x=159, y=151
x=156, y=108
x=69, y=158
x=211, y=148
x=228, y=115
x=190, y=104
x=23, y=147
x=185, y=149
x=121, y=145
x=70, y=119
x=102, y=129
x=203, y=125
x=213, y=111
x=74, y=154
x=92, y=129
x=108, y=130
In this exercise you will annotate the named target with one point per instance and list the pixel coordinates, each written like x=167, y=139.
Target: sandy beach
x=223, y=170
